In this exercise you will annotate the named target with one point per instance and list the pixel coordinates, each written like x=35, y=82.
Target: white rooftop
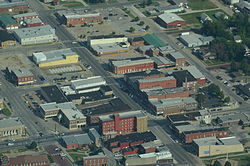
x=170, y=17
x=128, y=62
x=88, y=82
x=10, y=122
x=194, y=71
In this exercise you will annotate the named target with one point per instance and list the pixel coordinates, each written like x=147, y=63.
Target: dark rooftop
x=53, y=94
x=184, y=117
x=183, y=75
x=143, y=73
x=105, y=36
x=114, y=106
x=135, y=39
x=5, y=36
x=205, y=130
x=134, y=137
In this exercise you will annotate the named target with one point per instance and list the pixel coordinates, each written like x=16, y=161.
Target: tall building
x=122, y=123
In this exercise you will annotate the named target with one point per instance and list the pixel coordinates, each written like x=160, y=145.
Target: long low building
x=173, y=105
x=212, y=146
x=131, y=65
x=13, y=7
x=55, y=57
x=195, y=40
x=158, y=82
x=36, y=35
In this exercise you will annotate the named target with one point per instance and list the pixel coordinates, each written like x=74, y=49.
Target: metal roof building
x=152, y=39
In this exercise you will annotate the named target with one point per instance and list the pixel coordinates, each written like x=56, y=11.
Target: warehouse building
x=173, y=105
x=162, y=62
x=53, y=94
x=109, y=44
x=78, y=17
x=7, y=40
x=195, y=40
x=159, y=82
x=33, y=22
x=152, y=39
x=55, y=57
x=170, y=21
x=178, y=58
x=25, y=16
x=76, y=141
x=131, y=65
x=124, y=123
x=36, y=35
x=13, y=7
x=66, y=113
x=200, y=78
x=12, y=128
x=20, y=76
x=212, y=146
x=7, y=22
x=188, y=132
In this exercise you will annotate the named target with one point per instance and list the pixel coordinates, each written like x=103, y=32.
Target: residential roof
x=10, y=122
x=20, y=72
x=157, y=79
x=53, y=94
x=5, y=36
x=152, y=39
x=170, y=17
x=54, y=55
x=183, y=76
x=25, y=15
x=35, y=31
x=194, y=71
x=7, y=19
x=131, y=62
x=81, y=139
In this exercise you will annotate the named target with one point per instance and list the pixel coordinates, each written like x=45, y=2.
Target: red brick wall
x=175, y=24
x=14, y=9
x=101, y=161
x=201, y=81
x=135, y=68
x=163, y=84
x=188, y=138
x=78, y=21
x=24, y=79
x=173, y=95
x=36, y=24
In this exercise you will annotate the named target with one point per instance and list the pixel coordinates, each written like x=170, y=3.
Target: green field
x=243, y=160
x=201, y=4
x=193, y=18
x=71, y=4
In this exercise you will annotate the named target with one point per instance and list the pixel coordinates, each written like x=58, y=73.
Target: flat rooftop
x=177, y=55
x=10, y=122
x=160, y=60
x=80, y=139
x=108, y=47
x=88, y=82
x=163, y=91
x=53, y=94
x=20, y=72
x=25, y=15
x=172, y=102
x=12, y=4
x=154, y=40
x=170, y=17
x=123, y=115
x=197, y=127
x=216, y=141
x=131, y=62
x=157, y=79
x=194, y=71
x=32, y=32
x=183, y=76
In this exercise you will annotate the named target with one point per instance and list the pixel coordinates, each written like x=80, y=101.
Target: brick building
x=123, y=123
x=7, y=40
x=41, y=160
x=131, y=65
x=165, y=93
x=160, y=82
x=194, y=131
x=33, y=22
x=7, y=22
x=178, y=58
x=14, y=7
x=20, y=76
x=200, y=78
x=136, y=41
x=170, y=21
x=185, y=79
x=79, y=17
x=25, y=16
x=95, y=160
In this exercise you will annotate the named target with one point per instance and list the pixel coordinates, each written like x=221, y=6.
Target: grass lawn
x=193, y=18
x=108, y=2
x=212, y=62
x=71, y=4
x=201, y=4
x=6, y=111
x=77, y=156
x=243, y=160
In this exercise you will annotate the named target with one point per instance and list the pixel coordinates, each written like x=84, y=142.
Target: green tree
x=234, y=66
x=227, y=163
x=227, y=99
x=217, y=163
x=147, y=27
x=136, y=19
x=33, y=145
x=141, y=23
x=131, y=29
x=200, y=99
x=149, y=2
